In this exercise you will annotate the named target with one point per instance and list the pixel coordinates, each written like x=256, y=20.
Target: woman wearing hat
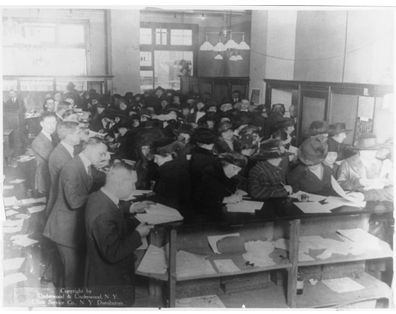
x=331, y=157
x=183, y=133
x=337, y=135
x=319, y=129
x=267, y=178
x=218, y=184
x=312, y=176
x=226, y=141
x=363, y=171
x=172, y=180
x=286, y=125
x=199, y=112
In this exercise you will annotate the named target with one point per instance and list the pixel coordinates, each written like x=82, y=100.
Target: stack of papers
x=154, y=261
x=159, y=214
x=244, y=207
x=226, y=266
x=189, y=265
x=361, y=239
x=342, y=285
x=258, y=253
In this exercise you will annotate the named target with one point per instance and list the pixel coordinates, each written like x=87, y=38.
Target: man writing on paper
x=110, y=239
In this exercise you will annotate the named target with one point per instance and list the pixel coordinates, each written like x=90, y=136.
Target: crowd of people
x=194, y=154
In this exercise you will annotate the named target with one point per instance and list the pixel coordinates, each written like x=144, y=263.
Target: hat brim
x=270, y=155
x=341, y=131
x=375, y=147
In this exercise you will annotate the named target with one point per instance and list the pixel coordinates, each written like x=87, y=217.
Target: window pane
x=146, y=80
x=71, y=34
x=145, y=58
x=145, y=36
x=161, y=36
x=40, y=34
x=181, y=37
x=170, y=65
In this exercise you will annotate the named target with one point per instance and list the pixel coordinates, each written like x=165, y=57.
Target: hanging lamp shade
x=239, y=57
x=219, y=57
x=233, y=58
x=220, y=46
x=243, y=45
x=206, y=46
x=231, y=44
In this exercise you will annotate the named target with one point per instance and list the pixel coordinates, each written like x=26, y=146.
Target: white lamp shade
x=206, y=46
x=231, y=44
x=219, y=57
x=233, y=58
x=243, y=46
x=239, y=57
x=219, y=47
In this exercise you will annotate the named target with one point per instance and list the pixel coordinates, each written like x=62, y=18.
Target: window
x=57, y=48
x=167, y=56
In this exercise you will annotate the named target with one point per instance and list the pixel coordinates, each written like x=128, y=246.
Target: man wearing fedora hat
x=337, y=135
x=363, y=171
x=266, y=178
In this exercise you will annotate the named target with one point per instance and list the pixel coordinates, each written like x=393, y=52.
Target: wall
x=124, y=53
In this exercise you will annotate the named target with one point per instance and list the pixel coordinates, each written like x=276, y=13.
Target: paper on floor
x=189, y=265
x=13, y=223
x=13, y=263
x=244, y=207
x=206, y=301
x=226, y=266
x=154, y=261
x=13, y=278
x=33, y=200
x=11, y=212
x=12, y=229
x=342, y=285
x=23, y=240
x=214, y=239
x=8, y=187
x=22, y=216
x=36, y=209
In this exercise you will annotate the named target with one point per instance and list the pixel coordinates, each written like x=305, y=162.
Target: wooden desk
x=8, y=145
x=279, y=218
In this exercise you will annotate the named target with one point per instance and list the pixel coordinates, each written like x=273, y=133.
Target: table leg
x=293, y=256
x=172, y=268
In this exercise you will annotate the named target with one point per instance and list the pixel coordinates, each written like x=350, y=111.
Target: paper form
x=13, y=223
x=214, y=239
x=313, y=207
x=158, y=214
x=33, y=200
x=244, y=207
x=11, y=212
x=12, y=229
x=188, y=265
x=154, y=261
x=13, y=278
x=342, y=285
x=339, y=190
x=23, y=240
x=282, y=243
x=8, y=187
x=23, y=216
x=258, y=253
x=312, y=197
x=206, y=301
x=226, y=266
x=361, y=238
x=16, y=181
x=13, y=263
x=36, y=209
x=10, y=201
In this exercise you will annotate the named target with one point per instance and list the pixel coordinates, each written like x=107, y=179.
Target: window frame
x=168, y=47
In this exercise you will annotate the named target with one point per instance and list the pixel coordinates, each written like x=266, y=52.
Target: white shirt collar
x=69, y=148
x=47, y=135
x=114, y=198
x=85, y=161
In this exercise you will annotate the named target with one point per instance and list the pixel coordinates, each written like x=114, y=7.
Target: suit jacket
x=42, y=149
x=65, y=224
x=110, y=244
x=58, y=158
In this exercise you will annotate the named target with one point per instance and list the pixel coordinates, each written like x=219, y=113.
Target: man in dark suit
x=69, y=134
x=42, y=146
x=111, y=241
x=65, y=224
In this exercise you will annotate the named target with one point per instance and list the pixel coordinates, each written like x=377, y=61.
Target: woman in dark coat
x=226, y=142
x=312, y=176
x=218, y=185
x=172, y=181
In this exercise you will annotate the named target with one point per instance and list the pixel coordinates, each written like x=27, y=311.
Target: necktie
x=89, y=172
